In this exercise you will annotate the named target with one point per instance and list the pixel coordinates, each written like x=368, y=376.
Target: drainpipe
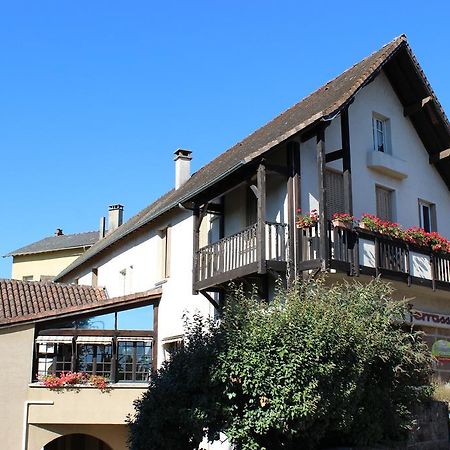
x=25, y=418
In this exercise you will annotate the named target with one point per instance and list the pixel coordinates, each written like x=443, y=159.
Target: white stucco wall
x=423, y=180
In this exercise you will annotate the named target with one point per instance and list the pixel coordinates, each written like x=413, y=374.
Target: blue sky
x=95, y=96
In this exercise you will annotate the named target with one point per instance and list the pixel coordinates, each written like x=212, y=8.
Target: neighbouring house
x=46, y=258
x=374, y=140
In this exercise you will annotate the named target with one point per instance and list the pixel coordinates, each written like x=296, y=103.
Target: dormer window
x=381, y=133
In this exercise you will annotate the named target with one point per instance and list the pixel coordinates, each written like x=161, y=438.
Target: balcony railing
x=237, y=255
x=361, y=251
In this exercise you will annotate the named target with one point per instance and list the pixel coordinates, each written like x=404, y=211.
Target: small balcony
x=358, y=251
x=241, y=254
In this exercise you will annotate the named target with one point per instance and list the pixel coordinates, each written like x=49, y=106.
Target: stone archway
x=77, y=441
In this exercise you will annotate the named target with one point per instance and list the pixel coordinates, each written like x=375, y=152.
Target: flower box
x=341, y=224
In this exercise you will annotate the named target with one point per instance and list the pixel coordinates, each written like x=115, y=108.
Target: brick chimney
x=115, y=217
x=182, y=166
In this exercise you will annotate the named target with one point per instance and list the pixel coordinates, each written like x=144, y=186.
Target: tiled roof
x=63, y=242
x=30, y=301
x=321, y=105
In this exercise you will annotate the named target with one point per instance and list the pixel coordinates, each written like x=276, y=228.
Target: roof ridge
x=401, y=38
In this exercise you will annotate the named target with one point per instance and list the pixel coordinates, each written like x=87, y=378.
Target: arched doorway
x=77, y=442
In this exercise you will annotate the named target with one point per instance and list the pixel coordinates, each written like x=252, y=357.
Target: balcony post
x=346, y=162
x=261, y=233
x=155, y=342
x=195, y=246
x=294, y=203
x=321, y=161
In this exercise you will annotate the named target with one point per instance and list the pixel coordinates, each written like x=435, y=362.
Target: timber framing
x=444, y=155
x=321, y=165
x=417, y=106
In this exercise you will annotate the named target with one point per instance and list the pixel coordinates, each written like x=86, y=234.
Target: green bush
x=317, y=366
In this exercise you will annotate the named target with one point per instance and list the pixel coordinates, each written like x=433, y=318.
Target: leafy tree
x=317, y=366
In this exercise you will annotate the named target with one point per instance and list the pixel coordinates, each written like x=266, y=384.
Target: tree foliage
x=317, y=366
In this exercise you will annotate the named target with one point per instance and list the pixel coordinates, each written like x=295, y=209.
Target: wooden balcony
x=360, y=251
x=237, y=255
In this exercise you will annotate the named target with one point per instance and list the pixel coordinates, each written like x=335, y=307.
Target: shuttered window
x=334, y=184
x=384, y=203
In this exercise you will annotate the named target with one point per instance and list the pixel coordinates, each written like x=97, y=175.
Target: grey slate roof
x=322, y=104
x=63, y=242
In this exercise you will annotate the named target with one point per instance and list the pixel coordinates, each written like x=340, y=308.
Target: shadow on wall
x=77, y=442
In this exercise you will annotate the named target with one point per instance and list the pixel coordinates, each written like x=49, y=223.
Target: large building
x=374, y=140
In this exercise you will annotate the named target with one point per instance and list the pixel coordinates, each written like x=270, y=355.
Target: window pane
x=103, y=360
x=102, y=322
x=426, y=218
x=136, y=319
x=86, y=358
x=53, y=359
x=134, y=361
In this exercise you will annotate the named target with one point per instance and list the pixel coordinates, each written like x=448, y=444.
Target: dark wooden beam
x=214, y=208
x=416, y=107
x=323, y=241
x=261, y=211
x=210, y=299
x=346, y=162
x=441, y=156
x=294, y=203
x=195, y=245
x=334, y=156
x=155, y=344
x=280, y=170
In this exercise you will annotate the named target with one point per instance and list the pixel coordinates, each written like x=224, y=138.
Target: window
x=171, y=345
x=165, y=252
x=27, y=278
x=94, y=277
x=384, y=199
x=427, y=215
x=94, y=356
x=134, y=359
x=54, y=354
x=381, y=133
x=334, y=185
x=116, y=345
x=46, y=278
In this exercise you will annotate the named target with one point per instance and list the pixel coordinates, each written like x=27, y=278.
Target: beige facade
x=35, y=266
x=33, y=415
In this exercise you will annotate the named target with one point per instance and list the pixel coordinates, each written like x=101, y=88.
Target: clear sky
x=95, y=96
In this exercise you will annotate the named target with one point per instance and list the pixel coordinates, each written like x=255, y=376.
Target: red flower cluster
x=413, y=235
x=306, y=220
x=69, y=379
x=343, y=217
x=374, y=223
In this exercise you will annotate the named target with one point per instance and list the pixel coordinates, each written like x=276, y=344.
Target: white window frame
x=431, y=215
x=385, y=133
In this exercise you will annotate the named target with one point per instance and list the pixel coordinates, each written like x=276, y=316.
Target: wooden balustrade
x=390, y=257
x=233, y=254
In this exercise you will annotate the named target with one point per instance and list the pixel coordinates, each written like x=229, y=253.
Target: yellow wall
x=85, y=410
x=49, y=263
x=16, y=350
